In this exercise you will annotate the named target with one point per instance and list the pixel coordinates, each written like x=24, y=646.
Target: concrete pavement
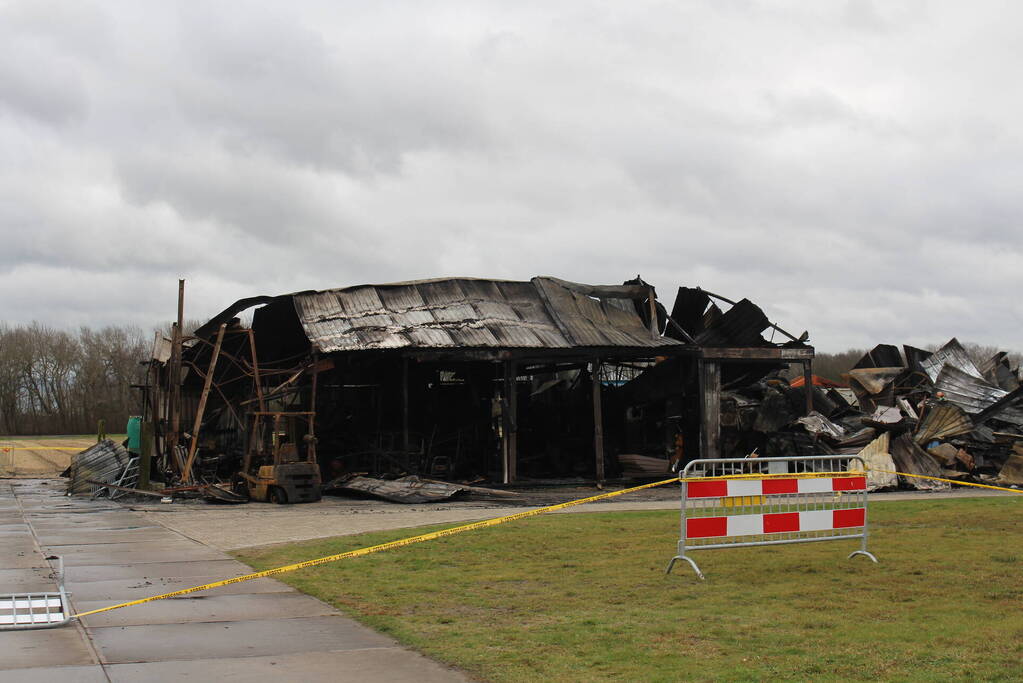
x=259, y=630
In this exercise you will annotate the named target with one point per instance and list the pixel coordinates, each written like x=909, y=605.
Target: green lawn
x=583, y=597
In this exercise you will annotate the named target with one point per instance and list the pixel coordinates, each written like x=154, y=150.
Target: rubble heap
x=935, y=414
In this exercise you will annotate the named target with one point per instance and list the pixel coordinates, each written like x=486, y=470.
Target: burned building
x=462, y=378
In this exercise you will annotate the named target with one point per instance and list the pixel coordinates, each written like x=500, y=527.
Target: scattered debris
x=635, y=466
x=409, y=489
x=125, y=489
x=96, y=467
x=933, y=414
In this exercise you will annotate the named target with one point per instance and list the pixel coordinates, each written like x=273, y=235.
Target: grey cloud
x=853, y=167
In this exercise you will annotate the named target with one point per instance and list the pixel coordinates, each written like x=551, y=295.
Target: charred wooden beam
x=404, y=404
x=710, y=393
x=757, y=353
x=511, y=427
x=598, y=423
x=186, y=474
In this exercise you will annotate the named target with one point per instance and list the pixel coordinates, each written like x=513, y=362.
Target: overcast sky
x=853, y=167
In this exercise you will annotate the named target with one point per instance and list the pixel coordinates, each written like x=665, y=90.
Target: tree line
x=55, y=381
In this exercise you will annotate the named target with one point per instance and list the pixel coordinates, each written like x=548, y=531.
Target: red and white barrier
x=737, y=502
x=775, y=523
x=727, y=488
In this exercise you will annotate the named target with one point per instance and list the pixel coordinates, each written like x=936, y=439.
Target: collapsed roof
x=544, y=312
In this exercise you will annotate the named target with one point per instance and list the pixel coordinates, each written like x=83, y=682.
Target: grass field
x=583, y=597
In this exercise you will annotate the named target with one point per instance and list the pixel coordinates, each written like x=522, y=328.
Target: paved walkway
x=259, y=630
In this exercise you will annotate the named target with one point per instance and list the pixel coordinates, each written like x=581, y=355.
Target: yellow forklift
x=280, y=458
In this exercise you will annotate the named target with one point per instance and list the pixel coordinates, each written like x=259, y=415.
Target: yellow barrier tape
x=377, y=548
x=437, y=534
x=950, y=481
x=479, y=525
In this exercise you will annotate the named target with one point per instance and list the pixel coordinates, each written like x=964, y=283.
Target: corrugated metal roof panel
x=517, y=337
x=473, y=336
x=952, y=354
x=741, y=325
x=465, y=312
x=589, y=320
x=430, y=337
x=943, y=421
x=970, y=393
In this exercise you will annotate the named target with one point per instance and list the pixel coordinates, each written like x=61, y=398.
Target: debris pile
x=934, y=414
x=96, y=467
x=407, y=489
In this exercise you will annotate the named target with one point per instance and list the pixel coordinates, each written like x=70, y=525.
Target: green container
x=135, y=434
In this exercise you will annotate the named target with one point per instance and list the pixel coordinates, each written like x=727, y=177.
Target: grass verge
x=583, y=597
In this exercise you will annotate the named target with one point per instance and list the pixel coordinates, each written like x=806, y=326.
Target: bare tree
x=55, y=381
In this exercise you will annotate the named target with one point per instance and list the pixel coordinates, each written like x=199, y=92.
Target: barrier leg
x=691, y=563
x=863, y=549
x=865, y=553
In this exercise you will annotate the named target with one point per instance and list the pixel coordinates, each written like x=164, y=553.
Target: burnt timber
x=465, y=378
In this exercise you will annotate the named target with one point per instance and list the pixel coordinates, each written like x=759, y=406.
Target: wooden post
x=404, y=404
x=653, y=313
x=710, y=392
x=156, y=405
x=255, y=371
x=145, y=455
x=511, y=428
x=311, y=449
x=186, y=474
x=808, y=384
x=175, y=369
x=598, y=424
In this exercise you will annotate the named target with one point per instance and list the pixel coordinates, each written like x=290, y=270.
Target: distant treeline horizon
x=55, y=381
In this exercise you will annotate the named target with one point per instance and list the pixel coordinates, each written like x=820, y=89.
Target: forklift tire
x=278, y=495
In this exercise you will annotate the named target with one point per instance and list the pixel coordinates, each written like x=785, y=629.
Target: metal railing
x=742, y=502
x=23, y=611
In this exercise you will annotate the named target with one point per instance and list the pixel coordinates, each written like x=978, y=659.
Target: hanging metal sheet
x=952, y=354
x=971, y=393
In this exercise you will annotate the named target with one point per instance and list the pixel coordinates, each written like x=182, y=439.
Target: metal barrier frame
x=37, y=608
x=758, y=470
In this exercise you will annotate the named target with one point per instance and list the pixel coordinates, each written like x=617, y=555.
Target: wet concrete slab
x=225, y=569
x=12, y=535
x=200, y=608
x=150, y=552
x=49, y=647
x=125, y=590
x=89, y=519
x=151, y=548
x=362, y=666
x=27, y=579
x=57, y=674
x=93, y=537
x=214, y=640
x=22, y=556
